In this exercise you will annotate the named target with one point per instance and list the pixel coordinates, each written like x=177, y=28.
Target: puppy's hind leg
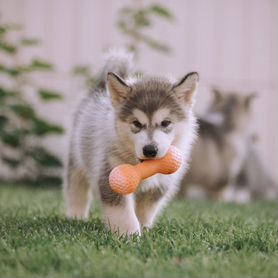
x=77, y=193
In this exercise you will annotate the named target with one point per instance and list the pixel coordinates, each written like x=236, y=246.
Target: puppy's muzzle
x=150, y=151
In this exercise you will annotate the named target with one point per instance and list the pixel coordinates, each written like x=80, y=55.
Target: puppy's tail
x=118, y=61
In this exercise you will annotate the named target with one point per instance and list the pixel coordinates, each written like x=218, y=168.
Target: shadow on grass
x=54, y=182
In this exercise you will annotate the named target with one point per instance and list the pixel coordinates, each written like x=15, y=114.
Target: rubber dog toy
x=125, y=178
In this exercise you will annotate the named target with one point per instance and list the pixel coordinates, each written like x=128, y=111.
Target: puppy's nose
x=150, y=150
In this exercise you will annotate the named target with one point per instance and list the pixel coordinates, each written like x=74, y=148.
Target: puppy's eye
x=137, y=124
x=165, y=123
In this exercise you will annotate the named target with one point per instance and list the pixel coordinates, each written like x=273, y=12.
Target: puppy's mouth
x=146, y=159
x=143, y=159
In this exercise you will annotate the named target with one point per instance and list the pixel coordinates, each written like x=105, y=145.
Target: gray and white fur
x=127, y=120
x=221, y=149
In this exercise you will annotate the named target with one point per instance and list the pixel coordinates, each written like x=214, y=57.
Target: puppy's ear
x=217, y=95
x=249, y=99
x=118, y=89
x=185, y=89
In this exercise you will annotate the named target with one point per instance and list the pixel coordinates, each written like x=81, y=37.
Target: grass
x=190, y=239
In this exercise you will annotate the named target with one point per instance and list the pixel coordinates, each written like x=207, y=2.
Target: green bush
x=134, y=20
x=21, y=127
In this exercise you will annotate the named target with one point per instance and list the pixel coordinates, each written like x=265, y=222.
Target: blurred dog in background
x=224, y=163
x=254, y=178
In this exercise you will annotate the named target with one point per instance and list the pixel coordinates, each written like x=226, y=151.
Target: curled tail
x=118, y=61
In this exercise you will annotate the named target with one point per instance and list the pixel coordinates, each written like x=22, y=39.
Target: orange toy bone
x=125, y=178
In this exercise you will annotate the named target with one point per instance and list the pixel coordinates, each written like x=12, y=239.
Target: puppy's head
x=233, y=108
x=151, y=114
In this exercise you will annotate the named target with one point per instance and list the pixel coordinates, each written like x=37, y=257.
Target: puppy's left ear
x=185, y=89
x=249, y=99
x=118, y=89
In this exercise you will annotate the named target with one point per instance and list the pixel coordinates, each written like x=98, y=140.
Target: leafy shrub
x=133, y=21
x=21, y=127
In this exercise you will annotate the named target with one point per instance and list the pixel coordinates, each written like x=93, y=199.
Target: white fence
x=232, y=43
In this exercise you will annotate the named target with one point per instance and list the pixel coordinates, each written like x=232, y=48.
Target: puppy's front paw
x=122, y=221
x=77, y=214
x=125, y=229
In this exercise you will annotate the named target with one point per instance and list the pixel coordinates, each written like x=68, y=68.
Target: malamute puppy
x=127, y=120
x=221, y=148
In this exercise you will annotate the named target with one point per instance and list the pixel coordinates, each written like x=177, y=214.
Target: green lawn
x=191, y=239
